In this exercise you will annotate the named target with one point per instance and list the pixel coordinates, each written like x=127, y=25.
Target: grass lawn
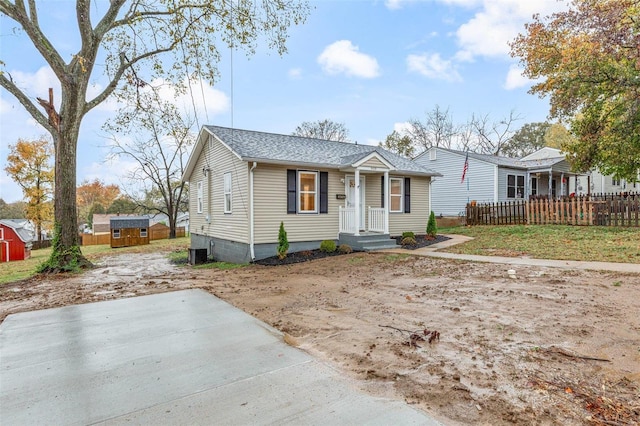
x=586, y=243
x=13, y=271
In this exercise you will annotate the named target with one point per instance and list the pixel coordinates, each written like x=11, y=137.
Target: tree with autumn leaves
x=29, y=165
x=587, y=60
x=94, y=197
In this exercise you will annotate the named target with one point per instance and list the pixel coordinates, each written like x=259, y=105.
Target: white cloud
x=402, y=128
x=496, y=24
x=295, y=73
x=343, y=57
x=515, y=79
x=37, y=84
x=206, y=99
x=431, y=65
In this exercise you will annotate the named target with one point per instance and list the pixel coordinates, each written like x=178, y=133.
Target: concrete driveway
x=173, y=358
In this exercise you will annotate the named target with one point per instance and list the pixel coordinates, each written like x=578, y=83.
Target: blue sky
x=371, y=65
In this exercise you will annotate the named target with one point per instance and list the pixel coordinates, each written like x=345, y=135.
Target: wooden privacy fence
x=104, y=239
x=561, y=211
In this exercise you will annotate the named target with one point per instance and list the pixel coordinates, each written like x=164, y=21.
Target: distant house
x=491, y=178
x=592, y=182
x=129, y=231
x=15, y=240
x=183, y=220
x=244, y=183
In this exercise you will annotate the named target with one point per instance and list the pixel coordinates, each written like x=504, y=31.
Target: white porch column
x=357, y=202
x=386, y=201
x=562, y=184
x=550, y=184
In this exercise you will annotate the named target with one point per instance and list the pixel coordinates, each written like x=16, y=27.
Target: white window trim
x=143, y=232
x=116, y=233
x=227, y=190
x=391, y=179
x=534, y=186
x=315, y=192
x=199, y=200
x=515, y=186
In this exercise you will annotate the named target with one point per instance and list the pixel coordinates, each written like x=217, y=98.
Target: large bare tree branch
x=31, y=108
x=39, y=40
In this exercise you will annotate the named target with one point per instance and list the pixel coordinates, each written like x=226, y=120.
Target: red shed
x=15, y=241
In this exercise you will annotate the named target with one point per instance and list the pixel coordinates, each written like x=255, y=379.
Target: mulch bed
x=422, y=241
x=304, y=256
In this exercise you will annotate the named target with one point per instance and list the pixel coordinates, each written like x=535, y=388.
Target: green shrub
x=283, y=242
x=432, y=228
x=328, y=246
x=409, y=241
x=345, y=249
x=408, y=234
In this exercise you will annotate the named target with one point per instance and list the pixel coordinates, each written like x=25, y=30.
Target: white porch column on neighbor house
x=357, y=202
x=386, y=203
x=562, y=184
x=527, y=186
x=550, y=182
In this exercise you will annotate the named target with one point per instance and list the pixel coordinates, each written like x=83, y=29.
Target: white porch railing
x=376, y=219
x=347, y=219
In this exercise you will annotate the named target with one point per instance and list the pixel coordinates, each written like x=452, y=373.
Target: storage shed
x=129, y=231
x=15, y=241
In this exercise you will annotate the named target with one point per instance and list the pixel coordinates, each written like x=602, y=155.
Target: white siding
x=449, y=196
x=213, y=221
x=502, y=182
x=416, y=221
x=270, y=196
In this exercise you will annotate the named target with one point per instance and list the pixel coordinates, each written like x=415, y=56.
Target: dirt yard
x=541, y=346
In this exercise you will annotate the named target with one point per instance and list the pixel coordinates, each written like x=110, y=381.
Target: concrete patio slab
x=173, y=358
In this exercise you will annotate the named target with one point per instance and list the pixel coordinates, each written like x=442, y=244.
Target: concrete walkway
x=183, y=358
x=432, y=251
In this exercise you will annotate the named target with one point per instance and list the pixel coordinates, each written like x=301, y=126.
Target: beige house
x=242, y=184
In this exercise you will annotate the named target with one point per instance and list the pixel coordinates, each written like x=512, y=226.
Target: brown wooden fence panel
x=94, y=240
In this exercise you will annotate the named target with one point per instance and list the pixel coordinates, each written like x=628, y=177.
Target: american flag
x=465, y=167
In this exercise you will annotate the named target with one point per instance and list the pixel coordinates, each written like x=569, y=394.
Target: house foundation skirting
x=236, y=252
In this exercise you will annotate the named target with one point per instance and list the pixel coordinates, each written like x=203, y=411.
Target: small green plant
x=408, y=234
x=328, y=246
x=283, y=242
x=432, y=227
x=409, y=241
x=345, y=249
x=617, y=283
x=179, y=257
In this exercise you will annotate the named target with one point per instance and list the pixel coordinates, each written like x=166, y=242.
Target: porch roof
x=300, y=151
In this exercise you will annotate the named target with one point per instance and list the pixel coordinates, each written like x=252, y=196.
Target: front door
x=351, y=196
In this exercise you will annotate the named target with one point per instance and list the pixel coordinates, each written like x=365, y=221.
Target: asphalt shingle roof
x=18, y=225
x=510, y=162
x=287, y=149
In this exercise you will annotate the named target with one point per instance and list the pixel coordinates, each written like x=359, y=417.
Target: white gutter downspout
x=251, y=213
x=496, y=185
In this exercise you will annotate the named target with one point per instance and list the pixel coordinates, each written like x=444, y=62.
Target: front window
x=615, y=181
x=227, y=192
x=395, y=195
x=307, y=194
x=116, y=233
x=515, y=186
x=143, y=232
x=200, y=197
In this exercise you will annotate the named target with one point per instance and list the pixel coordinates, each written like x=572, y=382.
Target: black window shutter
x=324, y=192
x=407, y=195
x=382, y=203
x=291, y=191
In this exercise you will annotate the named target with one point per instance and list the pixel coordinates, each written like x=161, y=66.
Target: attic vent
x=432, y=154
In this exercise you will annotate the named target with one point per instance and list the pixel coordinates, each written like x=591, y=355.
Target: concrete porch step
x=368, y=241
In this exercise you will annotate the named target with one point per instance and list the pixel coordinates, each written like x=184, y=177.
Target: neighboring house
x=242, y=184
x=491, y=178
x=182, y=220
x=592, y=182
x=102, y=224
x=15, y=240
x=129, y=231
